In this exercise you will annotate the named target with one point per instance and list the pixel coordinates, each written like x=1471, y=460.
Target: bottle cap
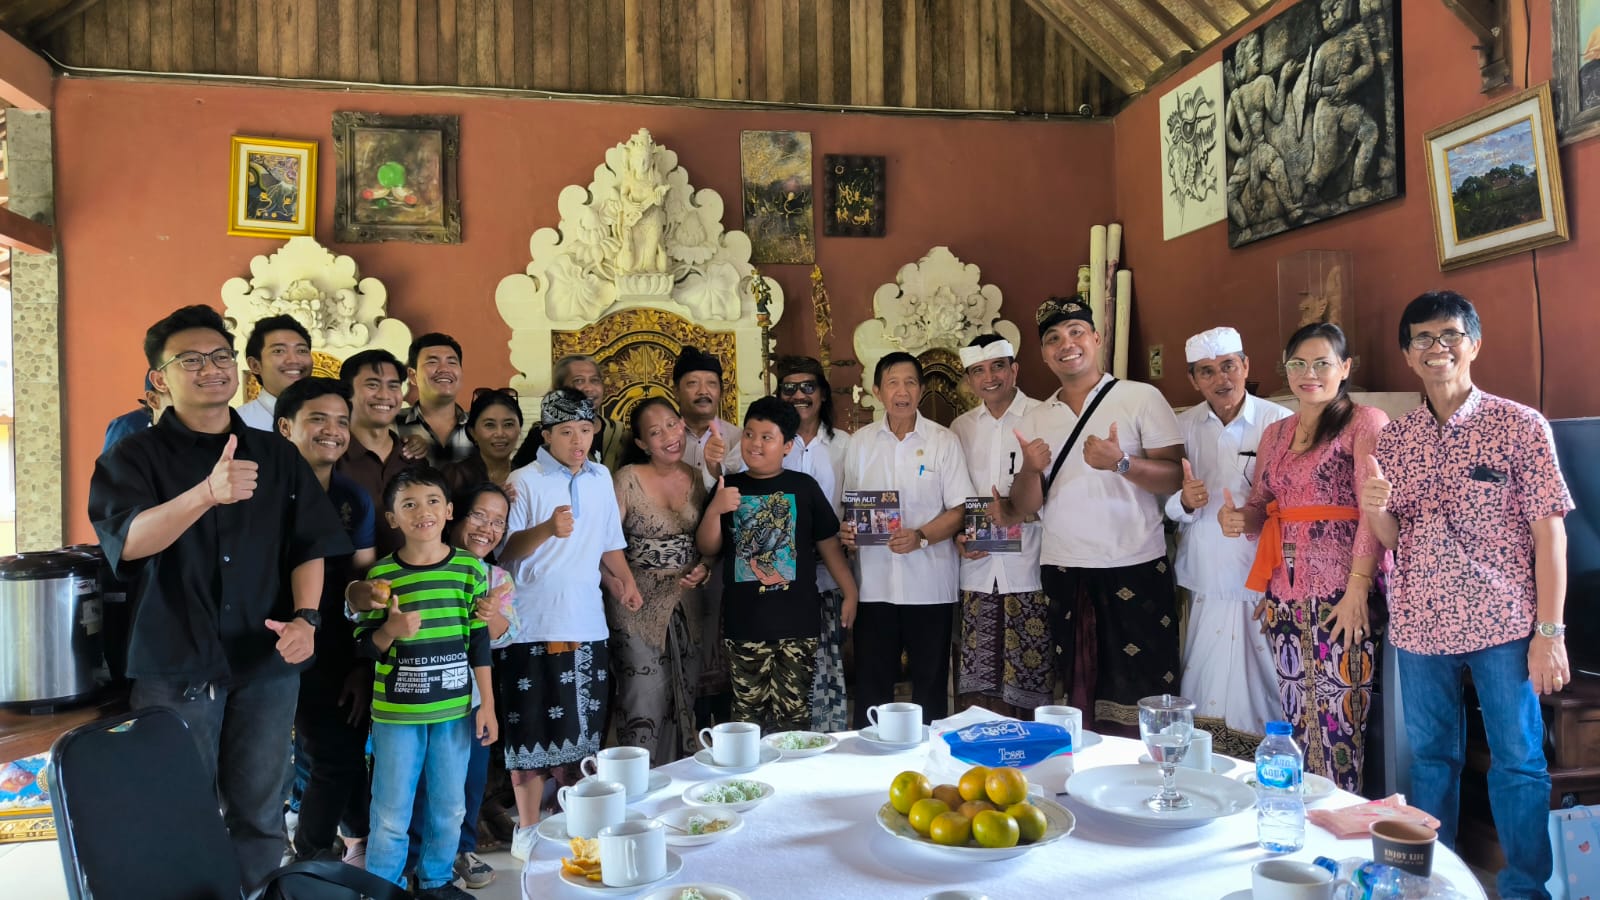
x=1276, y=728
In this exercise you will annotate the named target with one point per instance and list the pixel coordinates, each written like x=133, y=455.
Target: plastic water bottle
x=1370, y=880
x=1280, y=803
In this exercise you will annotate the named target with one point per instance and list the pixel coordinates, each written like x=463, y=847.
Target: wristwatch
x=312, y=617
x=1123, y=463
x=923, y=538
x=1550, y=629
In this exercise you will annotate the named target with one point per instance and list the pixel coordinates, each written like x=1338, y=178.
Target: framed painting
x=1576, y=65
x=1312, y=122
x=775, y=171
x=853, y=196
x=272, y=187
x=1191, y=154
x=1495, y=180
x=396, y=178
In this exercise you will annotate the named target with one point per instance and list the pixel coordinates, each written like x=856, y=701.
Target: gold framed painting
x=1495, y=180
x=272, y=187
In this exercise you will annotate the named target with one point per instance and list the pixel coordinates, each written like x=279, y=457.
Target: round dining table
x=817, y=836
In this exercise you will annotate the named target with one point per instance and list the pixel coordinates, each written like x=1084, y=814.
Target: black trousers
x=338, y=788
x=882, y=632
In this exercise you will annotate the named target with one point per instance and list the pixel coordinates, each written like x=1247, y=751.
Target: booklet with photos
x=984, y=536
x=875, y=516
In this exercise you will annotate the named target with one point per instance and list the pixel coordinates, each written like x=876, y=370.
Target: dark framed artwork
x=1576, y=65
x=852, y=195
x=396, y=178
x=1312, y=121
x=775, y=171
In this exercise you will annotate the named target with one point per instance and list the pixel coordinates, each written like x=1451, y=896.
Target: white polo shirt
x=694, y=449
x=558, y=585
x=929, y=472
x=993, y=457
x=823, y=460
x=1094, y=519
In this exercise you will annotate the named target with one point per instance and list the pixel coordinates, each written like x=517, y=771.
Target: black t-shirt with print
x=769, y=557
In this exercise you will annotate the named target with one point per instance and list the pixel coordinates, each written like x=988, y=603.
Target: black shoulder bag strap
x=1072, y=439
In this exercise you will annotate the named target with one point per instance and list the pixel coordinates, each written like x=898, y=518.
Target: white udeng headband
x=1212, y=344
x=1001, y=349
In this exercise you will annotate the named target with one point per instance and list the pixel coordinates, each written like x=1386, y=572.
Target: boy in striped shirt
x=429, y=647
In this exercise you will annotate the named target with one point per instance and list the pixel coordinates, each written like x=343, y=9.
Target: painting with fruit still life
x=852, y=196
x=397, y=178
x=272, y=187
x=775, y=168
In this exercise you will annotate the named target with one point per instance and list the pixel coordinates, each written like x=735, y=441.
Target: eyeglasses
x=1445, y=338
x=483, y=521
x=790, y=388
x=194, y=361
x=1298, y=367
x=482, y=392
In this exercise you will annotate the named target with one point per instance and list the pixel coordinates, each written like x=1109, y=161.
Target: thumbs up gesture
x=560, y=522
x=1035, y=453
x=296, y=639
x=1194, y=494
x=400, y=625
x=1103, y=453
x=231, y=480
x=716, y=449
x=726, y=499
x=1230, y=516
x=1375, y=490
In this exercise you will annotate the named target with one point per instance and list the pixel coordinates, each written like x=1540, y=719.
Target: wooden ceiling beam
x=1174, y=24
x=1132, y=23
x=58, y=18
x=22, y=233
x=1079, y=11
x=1126, y=79
x=1204, y=10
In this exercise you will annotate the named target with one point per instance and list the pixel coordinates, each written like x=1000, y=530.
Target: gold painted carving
x=636, y=349
x=944, y=390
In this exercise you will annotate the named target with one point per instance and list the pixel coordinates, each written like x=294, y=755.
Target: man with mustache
x=278, y=353
x=436, y=425
x=714, y=443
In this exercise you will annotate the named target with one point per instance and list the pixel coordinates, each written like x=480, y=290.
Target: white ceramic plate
x=1245, y=894
x=554, y=828
x=711, y=892
x=1059, y=823
x=1090, y=738
x=695, y=794
x=658, y=780
x=674, y=866
x=1121, y=791
x=768, y=755
x=1317, y=787
x=1219, y=765
x=830, y=742
x=677, y=822
x=870, y=735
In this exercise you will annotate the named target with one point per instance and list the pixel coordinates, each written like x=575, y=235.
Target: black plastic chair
x=135, y=820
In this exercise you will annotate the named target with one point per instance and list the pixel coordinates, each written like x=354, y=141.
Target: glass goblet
x=1165, y=723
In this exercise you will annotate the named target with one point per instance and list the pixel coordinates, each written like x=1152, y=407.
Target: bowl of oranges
x=987, y=815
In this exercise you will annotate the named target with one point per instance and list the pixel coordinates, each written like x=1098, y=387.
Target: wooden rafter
x=1176, y=25
x=1132, y=23
x=1073, y=11
x=22, y=233
x=1124, y=77
x=1203, y=8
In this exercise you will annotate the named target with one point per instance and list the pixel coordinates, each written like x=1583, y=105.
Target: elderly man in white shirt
x=908, y=586
x=1005, y=633
x=819, y=451
x=1227, y=661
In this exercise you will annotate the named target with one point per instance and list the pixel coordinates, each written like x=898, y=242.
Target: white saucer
x=1316, y=787
x=1219, y=765
x=677, y=822
x=674, y=866
x=829, y=742
x=1121, y=791
x=768, y=755
x=658, y=780
x=1090, y=738
x=870, y=735
x=554, y=828
x=712, y=892
x=1245, y=894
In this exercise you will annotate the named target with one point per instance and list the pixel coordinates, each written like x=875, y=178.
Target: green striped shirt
x=427, y=678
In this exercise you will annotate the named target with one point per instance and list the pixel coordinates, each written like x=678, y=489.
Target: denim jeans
x=1519, y=782
x=400, y=756
x=242, y=731
x=477, y=783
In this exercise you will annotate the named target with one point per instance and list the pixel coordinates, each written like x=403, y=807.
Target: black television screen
x=1578, y=449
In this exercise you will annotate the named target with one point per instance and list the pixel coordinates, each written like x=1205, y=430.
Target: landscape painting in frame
x=1495, y=179
x=1576, y=64
x=272, y=187
x=853, y=196
x=1312, y=121
x=397, y=178
x=1191, y=154
x=775, y=168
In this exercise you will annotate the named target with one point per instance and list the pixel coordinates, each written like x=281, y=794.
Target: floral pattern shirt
x=1466, y=494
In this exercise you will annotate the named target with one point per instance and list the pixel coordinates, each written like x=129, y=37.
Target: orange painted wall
x=1195, y=281
x=142, y=207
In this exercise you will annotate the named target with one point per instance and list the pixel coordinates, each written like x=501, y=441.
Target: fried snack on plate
x=585, y=861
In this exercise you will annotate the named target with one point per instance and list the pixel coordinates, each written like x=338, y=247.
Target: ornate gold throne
x=636, y=349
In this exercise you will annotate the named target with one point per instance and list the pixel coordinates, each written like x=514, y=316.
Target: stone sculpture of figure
x=1260, y=191
x=641, y=210
x=1325, y=304
x=1342, y=64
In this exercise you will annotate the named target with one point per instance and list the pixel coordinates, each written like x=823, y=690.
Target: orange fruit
x=1006, y=786
x=923, y=812
x=1030, y=820
x=951, y=829
x=971, y=785
x=971, y=808
x=908, y=788
x=950, y=794
x=994, y=829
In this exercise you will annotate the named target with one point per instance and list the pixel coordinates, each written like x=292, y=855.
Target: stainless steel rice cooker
x=50, y=628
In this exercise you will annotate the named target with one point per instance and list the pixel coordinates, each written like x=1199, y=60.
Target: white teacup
x=897, y=723
x=628, y=765
x=592, y=805
x=733, y=744
x=1285, y=879
x=1198, y=756
x=1068, y=717
x=633, y=853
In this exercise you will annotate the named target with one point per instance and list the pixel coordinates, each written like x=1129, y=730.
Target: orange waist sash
x=1269, y=547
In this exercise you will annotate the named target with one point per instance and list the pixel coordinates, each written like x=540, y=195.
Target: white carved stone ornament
x=937, y=301
x=321, y=290
x=638, y=235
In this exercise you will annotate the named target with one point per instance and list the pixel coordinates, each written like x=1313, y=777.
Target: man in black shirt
x=223, y=529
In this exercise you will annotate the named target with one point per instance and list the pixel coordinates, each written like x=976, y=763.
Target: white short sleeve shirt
x=993, y=457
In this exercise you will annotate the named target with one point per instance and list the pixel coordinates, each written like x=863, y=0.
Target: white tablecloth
x=818, y=837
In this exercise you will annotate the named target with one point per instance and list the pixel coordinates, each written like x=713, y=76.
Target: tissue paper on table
x=1352, y=821
x=944, y=767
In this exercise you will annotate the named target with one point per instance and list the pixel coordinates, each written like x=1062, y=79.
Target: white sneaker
x=522, y=841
